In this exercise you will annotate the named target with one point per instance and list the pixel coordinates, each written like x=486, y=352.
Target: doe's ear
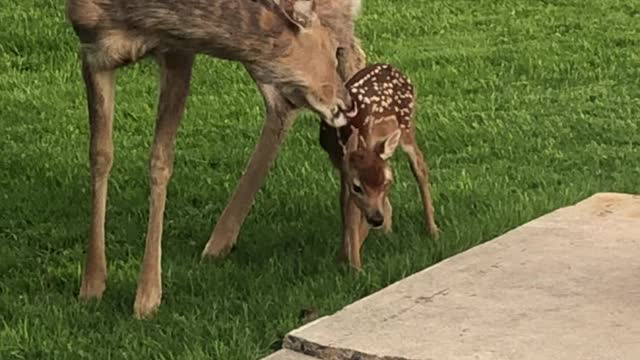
x=388, y=146
x=300, y=13
x=352, y=143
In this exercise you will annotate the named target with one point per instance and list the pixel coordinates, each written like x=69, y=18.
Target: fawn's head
x=368, y=174
x=310, y=66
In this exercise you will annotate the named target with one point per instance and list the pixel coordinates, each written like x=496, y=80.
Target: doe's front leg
x=279, y=118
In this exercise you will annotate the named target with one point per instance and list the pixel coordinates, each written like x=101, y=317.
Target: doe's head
x=312, y=64
x=369, y=175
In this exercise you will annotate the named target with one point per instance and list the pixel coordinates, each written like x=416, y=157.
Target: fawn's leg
x=353, y=235
x=100, y=98
x=363, y=232
x=388, y=215
x=174, y=88
x=352, y=230
x=343, y=255
x=279, y=118
x=421, y=173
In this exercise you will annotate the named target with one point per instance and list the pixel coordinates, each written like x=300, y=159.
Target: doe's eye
x=357, y=189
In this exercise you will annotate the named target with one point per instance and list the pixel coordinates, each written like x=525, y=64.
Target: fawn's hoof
x=435, y=232
x=357, y=268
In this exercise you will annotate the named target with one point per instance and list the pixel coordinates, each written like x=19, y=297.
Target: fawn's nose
x=376, y=219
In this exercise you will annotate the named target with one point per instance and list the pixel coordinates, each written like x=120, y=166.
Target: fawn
x=298, y=52
x=384, y=106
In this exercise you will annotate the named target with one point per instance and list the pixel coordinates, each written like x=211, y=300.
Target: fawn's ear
x=352, y=143
x=300, y=13
x=388, y=146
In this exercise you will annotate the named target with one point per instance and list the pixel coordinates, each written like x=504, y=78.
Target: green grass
x=524, y=107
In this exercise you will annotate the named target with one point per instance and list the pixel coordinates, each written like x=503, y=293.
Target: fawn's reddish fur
x=384, y=101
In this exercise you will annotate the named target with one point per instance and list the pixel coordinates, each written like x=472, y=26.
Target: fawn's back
x=385, y=101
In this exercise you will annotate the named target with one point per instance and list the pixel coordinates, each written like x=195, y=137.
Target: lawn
x=524, y=107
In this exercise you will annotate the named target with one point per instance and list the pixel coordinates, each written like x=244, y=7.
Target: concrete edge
x=318, y=351
x=285, y=354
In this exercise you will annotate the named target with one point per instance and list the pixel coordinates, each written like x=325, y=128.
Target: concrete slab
x=564, y=286
x=288, y=355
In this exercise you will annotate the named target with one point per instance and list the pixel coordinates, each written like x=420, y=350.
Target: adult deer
x=299, y=53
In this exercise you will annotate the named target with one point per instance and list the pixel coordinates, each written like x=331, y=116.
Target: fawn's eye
x=357, y=189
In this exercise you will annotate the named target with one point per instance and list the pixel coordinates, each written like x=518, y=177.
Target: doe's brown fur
x=299, y=52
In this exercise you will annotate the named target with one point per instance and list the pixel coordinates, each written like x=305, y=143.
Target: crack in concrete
x=418, y=301
x=428, y=299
